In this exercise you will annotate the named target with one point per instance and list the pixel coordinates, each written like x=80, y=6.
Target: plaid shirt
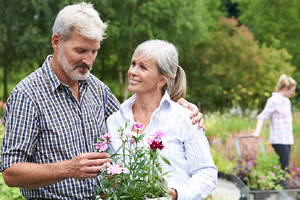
x=193, y=173
x=278, y=109
x=44, y=123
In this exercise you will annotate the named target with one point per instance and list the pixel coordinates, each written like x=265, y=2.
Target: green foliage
x=7, y=193
x=226, y=124
x=133, y=22
x=223, y=164
x=266, y=173
x=270, y=19
x=235, y=69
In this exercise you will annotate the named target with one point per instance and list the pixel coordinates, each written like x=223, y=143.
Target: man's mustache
x=82, y=65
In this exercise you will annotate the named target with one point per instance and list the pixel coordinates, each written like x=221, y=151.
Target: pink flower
x=291, y=163
x=272, y=174
x=102, y=146
x=114, y=169
x=107, y=164
x=262, y=177
x=297, y=168
x=125, y=170
x=138, y=126
x=250, y=162
x=151, y=139
x=275, y=167
x=107, y=136
x=128, y=135
x=133, y=141
x=253, y=172
x=159, y=134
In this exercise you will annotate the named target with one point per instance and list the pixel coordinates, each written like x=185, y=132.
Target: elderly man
x=54, y=115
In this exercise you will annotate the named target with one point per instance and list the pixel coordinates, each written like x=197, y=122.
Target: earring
x=158, y=89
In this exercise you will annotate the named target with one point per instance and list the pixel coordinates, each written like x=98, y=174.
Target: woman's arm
x=201, y=168
x=259, y=125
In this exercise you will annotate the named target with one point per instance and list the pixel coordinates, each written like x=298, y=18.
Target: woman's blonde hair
x=285, y=82
x=166, y=56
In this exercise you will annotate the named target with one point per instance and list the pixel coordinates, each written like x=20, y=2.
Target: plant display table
x=261, y=193
x=247, y=194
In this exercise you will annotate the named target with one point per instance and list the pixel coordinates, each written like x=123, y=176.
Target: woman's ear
x=163, y=80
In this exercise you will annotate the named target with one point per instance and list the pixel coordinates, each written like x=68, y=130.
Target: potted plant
x=135, y=171
x=263, y=173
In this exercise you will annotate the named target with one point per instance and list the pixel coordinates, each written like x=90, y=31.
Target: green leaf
x=165, y=160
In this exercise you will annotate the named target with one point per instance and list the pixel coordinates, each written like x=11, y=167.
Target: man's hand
x=88, y=165
x=196, y=116
x=173, y=193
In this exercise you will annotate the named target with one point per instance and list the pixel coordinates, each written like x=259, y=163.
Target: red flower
x=157, y=145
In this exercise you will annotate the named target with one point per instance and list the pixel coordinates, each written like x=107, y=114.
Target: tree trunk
x=5, y=93
x=120, y=73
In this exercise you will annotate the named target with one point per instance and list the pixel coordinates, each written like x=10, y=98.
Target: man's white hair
x=82, y=17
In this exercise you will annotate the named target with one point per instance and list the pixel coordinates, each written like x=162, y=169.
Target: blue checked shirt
x=44, y=123
x=193, y=170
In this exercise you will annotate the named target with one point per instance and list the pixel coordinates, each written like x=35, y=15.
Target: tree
x=25, y=28
x=278, y=19
x=235, y=70
x=185, y=23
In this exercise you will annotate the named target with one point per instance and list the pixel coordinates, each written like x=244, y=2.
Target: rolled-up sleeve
x=21, y=129
x=268, y=110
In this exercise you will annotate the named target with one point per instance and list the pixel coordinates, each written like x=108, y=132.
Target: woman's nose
x=132, y=70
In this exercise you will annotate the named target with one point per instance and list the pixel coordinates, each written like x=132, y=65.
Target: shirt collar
x=54, y=82
x=279, y=96
x=126, y=107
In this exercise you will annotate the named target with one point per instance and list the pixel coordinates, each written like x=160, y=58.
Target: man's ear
x=56, y=41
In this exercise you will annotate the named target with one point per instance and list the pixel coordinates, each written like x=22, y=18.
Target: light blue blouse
x=194, y=174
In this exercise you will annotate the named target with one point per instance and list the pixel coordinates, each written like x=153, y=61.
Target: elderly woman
x=155, y=77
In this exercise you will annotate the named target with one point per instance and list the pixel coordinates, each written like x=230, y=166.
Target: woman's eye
x=143, y=67
x=133, y=63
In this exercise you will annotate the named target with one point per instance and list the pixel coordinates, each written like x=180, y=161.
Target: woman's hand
x=256, y=134
x=196, y=116
x=173, y=193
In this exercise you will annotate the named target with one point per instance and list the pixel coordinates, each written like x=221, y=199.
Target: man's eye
x=80, y=51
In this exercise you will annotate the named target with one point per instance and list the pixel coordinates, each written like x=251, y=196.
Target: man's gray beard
x=70, y=71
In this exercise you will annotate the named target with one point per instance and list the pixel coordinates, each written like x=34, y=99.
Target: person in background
x=55, y=115
x=155, y=77
x=278, y=109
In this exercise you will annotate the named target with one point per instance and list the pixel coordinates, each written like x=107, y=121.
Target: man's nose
x=89, y=59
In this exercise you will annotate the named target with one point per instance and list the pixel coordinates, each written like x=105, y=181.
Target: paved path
x=226, y=190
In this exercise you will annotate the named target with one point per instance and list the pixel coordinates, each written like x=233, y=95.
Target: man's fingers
x=201, y=123
x=197, y=118
x=194, y=114
x=95, y=155
x=183, y=102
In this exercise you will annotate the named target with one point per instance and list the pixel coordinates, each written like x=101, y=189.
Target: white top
x=194, y=174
